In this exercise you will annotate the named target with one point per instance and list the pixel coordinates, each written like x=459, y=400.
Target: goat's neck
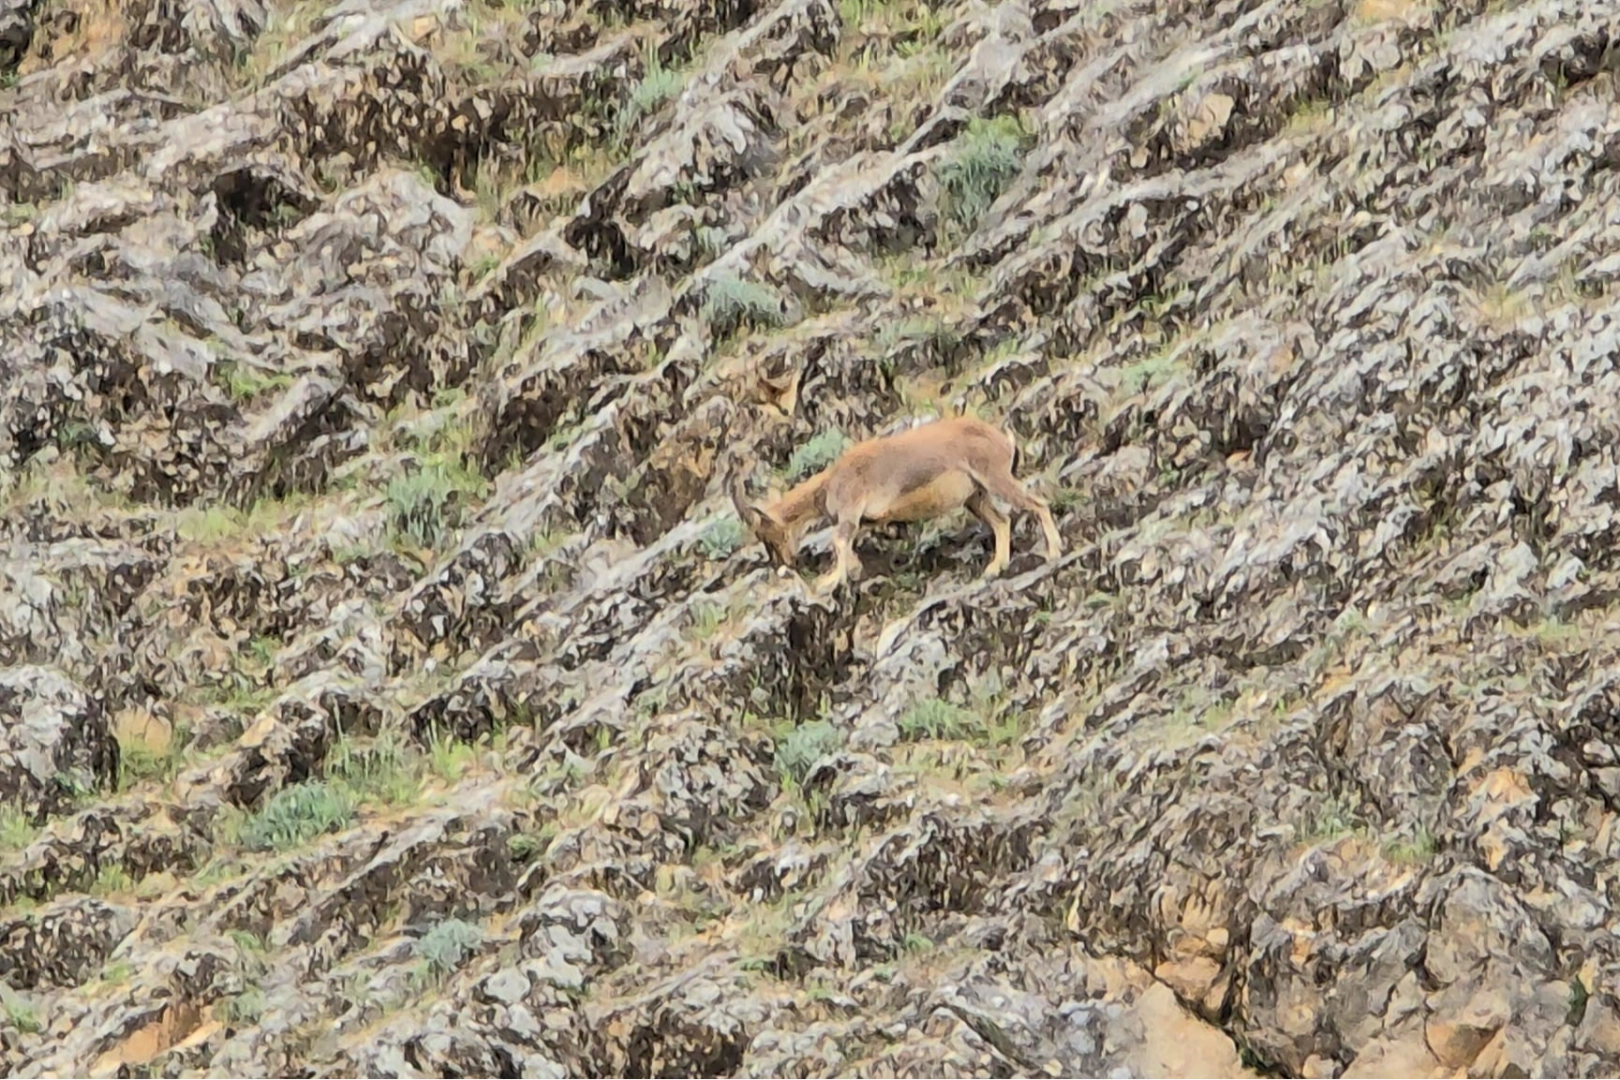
x=802, y=504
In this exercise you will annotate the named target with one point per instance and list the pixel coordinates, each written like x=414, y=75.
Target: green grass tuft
x=937, y=719
x=419, y=501
x=816, y=454
x=16, y=830
x=986, y=726
x=802, y=746
x=298, y=814
x=445, y=947
x=985, y=158
x=382, y=773
x=722, y=538
x=244, y=383
x=658, y=85
x=730, y=303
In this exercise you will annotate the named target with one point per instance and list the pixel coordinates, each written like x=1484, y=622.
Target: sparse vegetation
x=383, y=772
x=706, y=620
x=444, y=948
x=449, y=758
x=421, y=501
x=730, y=304
x=289, y=24
x=657, y=85
x=1329, y=820
x=19, y=1013
x=801, y=746
x=937, y=719
x=215, y=522
x=1150, y=372
x=16, y=831
x=987, y=156
x=815, y=454
x=298, y=814
x=14, y=214
x=244, y=382
x=987, y=724
x=372, y=727
x=112, y=880
x=931, y=331
x=155, y=755
x=722, y=538
x=1418, y=848
x=117, y=973
x=245, y=1008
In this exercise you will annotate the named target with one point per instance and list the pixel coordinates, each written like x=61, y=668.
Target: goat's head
x=764, y=525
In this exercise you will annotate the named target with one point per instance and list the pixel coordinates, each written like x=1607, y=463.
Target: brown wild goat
x=924, y=472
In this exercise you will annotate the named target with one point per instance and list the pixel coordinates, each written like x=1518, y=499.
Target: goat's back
x=889, y=466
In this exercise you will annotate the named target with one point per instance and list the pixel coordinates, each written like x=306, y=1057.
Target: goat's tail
x=1017, y=451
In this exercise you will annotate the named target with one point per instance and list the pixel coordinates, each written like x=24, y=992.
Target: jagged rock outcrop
x=387, y=687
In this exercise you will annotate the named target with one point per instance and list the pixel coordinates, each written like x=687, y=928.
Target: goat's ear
x=746, y=510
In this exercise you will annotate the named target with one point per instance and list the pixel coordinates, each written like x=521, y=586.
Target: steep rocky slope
x=386, y=689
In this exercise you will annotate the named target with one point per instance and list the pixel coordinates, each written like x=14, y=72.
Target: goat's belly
x=939, y=496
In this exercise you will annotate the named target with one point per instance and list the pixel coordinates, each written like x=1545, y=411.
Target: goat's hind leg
x=982, y=508
x=1009, y=490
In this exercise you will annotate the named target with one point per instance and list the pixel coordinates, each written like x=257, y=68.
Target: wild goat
x=924, y=472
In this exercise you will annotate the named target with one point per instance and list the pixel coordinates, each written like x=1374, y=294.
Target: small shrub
x=930, y=331
x=1419, y=849
x=1330, y=819
x=729, y=303
x=446, y=946
x=247, y=942
x=418, y=501
x=22, y=1015
x=985, y=159
x=816, y=454
x=1579, y=996
x=139, y=761
x=722, y=538
x=73, y=435
x=802, y=746
x=706, y=619
x=657, y=86
x=244, y=383
x=16, y=830
x=525, y=846
x=245, y=1008
x=938, y=719
x=711, y=239
x=296, y=815
x=13, y=214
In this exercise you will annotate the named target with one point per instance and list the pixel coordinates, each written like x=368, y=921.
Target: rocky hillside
x=387, y=686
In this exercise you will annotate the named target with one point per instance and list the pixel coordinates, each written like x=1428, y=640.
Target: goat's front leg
x=846, y=563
